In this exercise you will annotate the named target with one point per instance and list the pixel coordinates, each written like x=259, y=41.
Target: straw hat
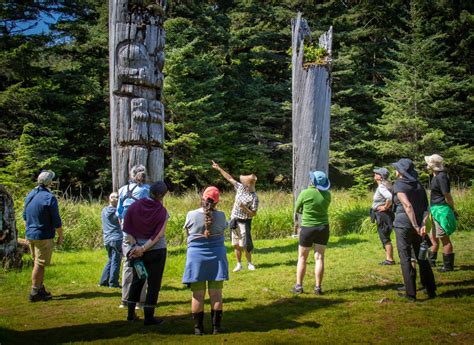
x=435, y=162
x=249, y=181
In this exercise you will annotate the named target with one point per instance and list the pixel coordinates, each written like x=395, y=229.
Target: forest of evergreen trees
x=402, y=87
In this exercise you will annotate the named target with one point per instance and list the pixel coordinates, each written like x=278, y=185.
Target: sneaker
x=251, y=267
x=139, y=306
x=298, y=289
x=46, y=293
x=238, y=268
x=318, y=290
x=387, y=263
x=123, y=305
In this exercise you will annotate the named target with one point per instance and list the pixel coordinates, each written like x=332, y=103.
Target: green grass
x=259, y=308
x=82, y=225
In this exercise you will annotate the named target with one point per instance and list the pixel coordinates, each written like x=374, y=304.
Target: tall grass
x=82, y=223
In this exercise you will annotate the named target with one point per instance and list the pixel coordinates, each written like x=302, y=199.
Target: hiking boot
x=318, y=290
x=387, y=263
x=41, y=295
x=198, y=323
x=448, y=260
x=408, y=298
x=216, y=317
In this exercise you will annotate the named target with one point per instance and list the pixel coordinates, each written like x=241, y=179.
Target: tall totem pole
x=311, y=103
x=136, y=54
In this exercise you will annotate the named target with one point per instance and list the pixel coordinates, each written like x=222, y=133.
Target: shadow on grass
x=458, y=293
x=457, y=283
x=86, y=295
x=465, y=268
x=279, y=315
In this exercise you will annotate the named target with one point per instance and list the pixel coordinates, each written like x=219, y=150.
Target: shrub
x=82, y=223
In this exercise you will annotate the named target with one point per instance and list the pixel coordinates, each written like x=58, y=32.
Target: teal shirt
x=313, y=204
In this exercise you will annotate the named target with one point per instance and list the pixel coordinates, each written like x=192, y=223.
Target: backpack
x=129, y=194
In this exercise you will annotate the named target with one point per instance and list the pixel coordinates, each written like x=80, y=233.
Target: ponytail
x=208, y=206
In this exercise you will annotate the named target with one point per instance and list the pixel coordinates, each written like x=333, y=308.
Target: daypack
x=129, y=194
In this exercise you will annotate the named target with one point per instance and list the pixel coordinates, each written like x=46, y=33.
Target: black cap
x=158, y=188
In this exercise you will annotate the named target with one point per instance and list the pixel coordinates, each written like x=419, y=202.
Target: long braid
x=208, y=206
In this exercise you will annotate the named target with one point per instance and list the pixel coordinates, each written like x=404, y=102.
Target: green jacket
x=314, y=205
x=444, y=215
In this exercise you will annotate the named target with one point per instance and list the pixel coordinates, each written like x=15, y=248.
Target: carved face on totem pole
x=137, y=114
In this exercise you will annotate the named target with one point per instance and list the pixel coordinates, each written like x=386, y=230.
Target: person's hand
x=137, y=252
x=60, y=239
x=215, y=165
x=381, y=208
x=422, y=231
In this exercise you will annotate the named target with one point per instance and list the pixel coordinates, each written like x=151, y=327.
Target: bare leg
x=197, y=302
x=319, y=263
x=37, y=276
x=447, y=245
x=434, y=243
x=216, y=299
x=248, y=256
x=238, y=254
x=301, y=266
x=389, y=251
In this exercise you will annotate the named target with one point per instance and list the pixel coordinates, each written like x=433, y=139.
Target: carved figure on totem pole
x=136, y=45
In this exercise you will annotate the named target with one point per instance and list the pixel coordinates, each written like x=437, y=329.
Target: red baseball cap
x=211, y=193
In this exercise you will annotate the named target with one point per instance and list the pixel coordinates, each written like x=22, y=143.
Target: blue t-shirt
x=41, y=214
x=137, y=192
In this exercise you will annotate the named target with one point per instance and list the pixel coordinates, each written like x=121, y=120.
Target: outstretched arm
x=226, y=175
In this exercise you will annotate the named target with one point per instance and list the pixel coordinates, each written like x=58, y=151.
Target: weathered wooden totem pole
x=136, y=53
x=311, y=102
x=11, y=247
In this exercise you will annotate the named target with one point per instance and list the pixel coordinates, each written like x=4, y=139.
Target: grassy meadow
x=82, y=224
x=258, y=307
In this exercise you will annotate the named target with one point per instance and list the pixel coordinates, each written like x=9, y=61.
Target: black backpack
x=129, y=194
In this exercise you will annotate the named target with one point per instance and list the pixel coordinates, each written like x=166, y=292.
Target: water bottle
x=140, y=269
x=424, y=247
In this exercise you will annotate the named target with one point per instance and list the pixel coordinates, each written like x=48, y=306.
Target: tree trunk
x=311, y=86
x=136, y=53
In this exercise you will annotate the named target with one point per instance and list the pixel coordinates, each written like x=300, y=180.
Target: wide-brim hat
x=320, y=180
x=211, y=193
x=249, y=181
x=406, y=167
x=382, y=172
x=435, y=162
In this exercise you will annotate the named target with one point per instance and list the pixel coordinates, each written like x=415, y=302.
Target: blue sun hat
x=319, y=180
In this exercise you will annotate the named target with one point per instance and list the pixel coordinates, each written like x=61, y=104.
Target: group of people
x=134, y=228
x=134, y=224
x=417, y=222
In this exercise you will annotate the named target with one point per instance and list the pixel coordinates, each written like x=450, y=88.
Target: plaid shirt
x=249, y=199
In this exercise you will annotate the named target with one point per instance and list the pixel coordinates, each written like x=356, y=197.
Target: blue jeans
x=111, y=272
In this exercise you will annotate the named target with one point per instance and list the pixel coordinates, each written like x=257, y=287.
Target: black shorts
x=314, y=235
x=384, y=226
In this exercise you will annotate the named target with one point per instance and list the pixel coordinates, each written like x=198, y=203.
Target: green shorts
x=211, y=284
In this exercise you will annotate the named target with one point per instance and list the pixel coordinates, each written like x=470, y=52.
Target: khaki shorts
x=437, y=230
x=239, y=235
x=42, y=250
